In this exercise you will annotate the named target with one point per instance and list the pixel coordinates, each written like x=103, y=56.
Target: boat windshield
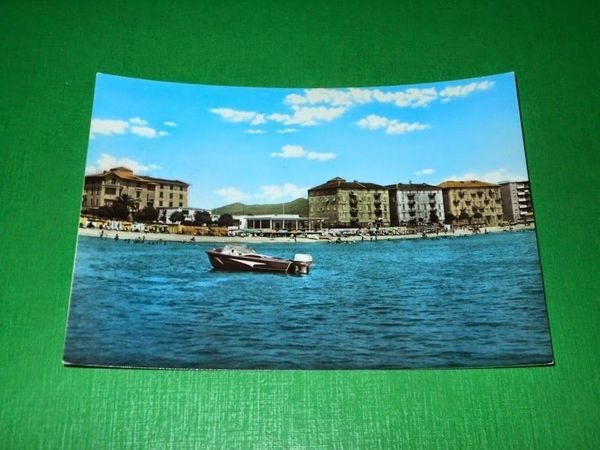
x=237, y=250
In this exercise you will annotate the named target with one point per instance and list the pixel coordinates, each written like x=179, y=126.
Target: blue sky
x=269, y=145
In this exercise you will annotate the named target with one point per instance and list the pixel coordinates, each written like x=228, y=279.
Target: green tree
x=147, y=214
x=433, y=217
x=120, y=211
x=202, y=218
x=105, y=212
x=176, y=216
x=121, y=204
x=464, y=216
x=225, y=220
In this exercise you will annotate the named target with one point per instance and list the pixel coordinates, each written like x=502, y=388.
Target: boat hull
x=249, y=263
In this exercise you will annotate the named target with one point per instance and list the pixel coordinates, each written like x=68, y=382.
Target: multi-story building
x=472, y=202
x=103, y=188
x=516, y=201
x=412, y=204
x=341, y=203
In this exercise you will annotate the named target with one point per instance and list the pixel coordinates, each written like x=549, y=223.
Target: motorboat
x=241, y=258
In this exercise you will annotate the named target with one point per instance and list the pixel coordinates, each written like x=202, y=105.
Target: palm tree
x=124, y=205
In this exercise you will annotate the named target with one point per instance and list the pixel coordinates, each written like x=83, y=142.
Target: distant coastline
x=186, y=238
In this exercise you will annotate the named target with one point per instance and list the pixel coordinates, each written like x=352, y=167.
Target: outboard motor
x=302, y=263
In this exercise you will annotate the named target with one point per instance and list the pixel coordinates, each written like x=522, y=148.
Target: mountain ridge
x=298, y=206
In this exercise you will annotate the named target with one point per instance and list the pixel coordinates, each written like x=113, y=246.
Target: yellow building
x=341, y=203
x=472, y=202
x=103, y=188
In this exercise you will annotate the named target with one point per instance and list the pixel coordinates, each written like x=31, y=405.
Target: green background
x=49, y=55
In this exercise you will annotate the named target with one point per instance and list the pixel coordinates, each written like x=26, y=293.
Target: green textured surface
x=49, y=54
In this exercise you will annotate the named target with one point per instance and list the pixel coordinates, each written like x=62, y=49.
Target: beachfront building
x=341, y=203
x=271, y=222
x=415, y=204
x=472, y=203
x=103, y=188
x=516, y=201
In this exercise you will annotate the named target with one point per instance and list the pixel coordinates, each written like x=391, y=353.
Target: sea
x=474, y=301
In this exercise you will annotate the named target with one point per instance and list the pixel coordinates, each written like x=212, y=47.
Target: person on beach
x=117, y=237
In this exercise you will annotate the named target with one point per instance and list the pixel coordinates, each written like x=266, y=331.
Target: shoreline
x=186, y=238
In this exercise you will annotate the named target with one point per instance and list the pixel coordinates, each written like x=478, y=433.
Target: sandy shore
x=129, y=235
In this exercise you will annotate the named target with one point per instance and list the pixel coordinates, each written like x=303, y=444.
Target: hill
x=298, y=206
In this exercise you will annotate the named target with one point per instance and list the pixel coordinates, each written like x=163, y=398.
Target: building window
x=110, y=190
x=180, y=204
x=160, y=203
x=171, y=195
x=138, y=194
x=160, y=195
x=180, y=196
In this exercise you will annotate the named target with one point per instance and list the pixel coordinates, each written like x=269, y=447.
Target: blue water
x=468, y=302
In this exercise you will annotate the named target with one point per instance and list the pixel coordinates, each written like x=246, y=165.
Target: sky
x=269, y=145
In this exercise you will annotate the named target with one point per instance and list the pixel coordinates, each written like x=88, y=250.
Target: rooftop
x=413, y=187
x=451, y=184
x=127, y=174
x=341, y=183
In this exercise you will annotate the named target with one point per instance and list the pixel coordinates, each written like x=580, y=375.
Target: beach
x=327, y=238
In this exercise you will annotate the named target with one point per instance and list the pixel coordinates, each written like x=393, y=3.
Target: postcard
x=385, y=227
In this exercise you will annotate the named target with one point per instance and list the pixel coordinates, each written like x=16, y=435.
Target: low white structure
x=272, y=222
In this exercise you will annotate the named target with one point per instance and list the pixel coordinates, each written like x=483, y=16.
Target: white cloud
x=413, y=97
x=231, y=194
x=493, y=176
x=259, y=119
x=373, y=122
x=425, y=172
x=392, y=126
x=307, y=116
x=296, y=151
x=272, y=192
x=106, y=162
x=138, y=121
x=396, y=127
x=450, y=92
x=232, y=115
x=108, y=127
x=320, y=156
x=287, y=131
x=135, y=125
x=254, y=131
x=146, y=132
x=290, y=151
x=170, y=124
